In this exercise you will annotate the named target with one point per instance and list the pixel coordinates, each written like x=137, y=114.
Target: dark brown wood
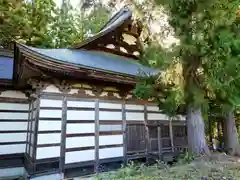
x=14, y=111
x=133, y=122
x=96, y=165
x=171, y=134
x=80, y=134
x=12, y=132
x=147, y=140
x=50, y=108
x=159, y=142
x=50, y=119
x=28, y=126
x=36, y=128
x=80, y=121
x=14, y=142
x=13, y=100
x=49, y=132
x=124, y=129
x=110, y=122
x=48, y=145
x=81, y=108
x=63, y=134
x=110, y=133
x=14, y=120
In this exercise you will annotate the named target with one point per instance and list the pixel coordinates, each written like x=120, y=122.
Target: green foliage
x=186, y=158
x=41, y=23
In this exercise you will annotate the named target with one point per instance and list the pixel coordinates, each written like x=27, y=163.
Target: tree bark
x=196, y=133
x=230, y=135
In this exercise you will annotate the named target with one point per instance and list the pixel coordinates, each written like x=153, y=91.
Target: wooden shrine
x=71, y=112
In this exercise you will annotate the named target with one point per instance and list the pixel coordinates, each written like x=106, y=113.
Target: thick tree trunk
x=230, y=135
x=196, y=133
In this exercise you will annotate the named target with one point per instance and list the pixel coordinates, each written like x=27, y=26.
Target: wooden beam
x=63, y=134
x=171, y=134
x=96, y=136
x=147, y=138
x=124, y=129
x=159, y=142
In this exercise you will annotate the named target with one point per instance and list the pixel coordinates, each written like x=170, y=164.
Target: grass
x=216, y=167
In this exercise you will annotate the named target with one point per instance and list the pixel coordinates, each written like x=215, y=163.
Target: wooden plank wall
x=14, y=111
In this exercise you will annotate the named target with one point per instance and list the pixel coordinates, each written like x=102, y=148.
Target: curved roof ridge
x=117, y=20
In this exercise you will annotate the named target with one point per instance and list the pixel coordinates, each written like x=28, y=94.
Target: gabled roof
x=117, y=20
x=95, y=60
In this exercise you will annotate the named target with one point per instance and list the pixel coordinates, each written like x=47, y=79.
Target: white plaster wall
x=157, y=116
x=13, y=106
x=9, y=126
x=13, y=94
x=79, y=156
x=110, y=139
x=48, y=152
x=50, y=113
x=13, y=137
x=72, y=142
x=131, y=116
x=110, y=105
x=134, y=107
x=80, y=128
x=110, y=152
x=107, y=115
x=80, y=115
x=80, y=104
x=50, y=103
x=108, y=127
x=49, y=125
x=152, y=108
x=49, y=138
x=11, y=149
x=52, y=88
x=13, y=116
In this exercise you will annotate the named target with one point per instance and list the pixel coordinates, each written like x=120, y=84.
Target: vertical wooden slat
x=124, y=129
x=36, y=130
x=63, y=134
x=159, y=142
x=171, y=133
x=96, y=136
x=147, y=140
x=28, y=126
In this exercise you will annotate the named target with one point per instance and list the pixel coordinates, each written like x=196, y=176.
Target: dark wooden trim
x=47, y=160
x=80, y=135
x=80, y=148
x=110, y=110
x=36, y=129
x=135, y=122
x=49, y=119
x=136, y=111
x=110, y=160
x=17, y=131
x=51, y=96
x=13, y=100
x=13, y=120
x=31, y=124
x=28, y=126
x=110, y=133
x=147, y=138
x=75, y=97
x=80, y=121
x=13, y=111
x=50, y=108
x=12, y=160
x=159, y=142
x=63, y=133
x=12, y=143
x=80, y=109
x=48, y=145
x=110, y=122
x=124, y=130
x=96, y=165
x=49, y=132
x=110, y=146
x=79, y=164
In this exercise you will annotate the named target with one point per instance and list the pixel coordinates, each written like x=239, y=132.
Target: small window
x=6, y=67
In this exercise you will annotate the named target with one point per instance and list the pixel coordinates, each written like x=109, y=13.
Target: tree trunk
x=230, y=135
x=196, y=133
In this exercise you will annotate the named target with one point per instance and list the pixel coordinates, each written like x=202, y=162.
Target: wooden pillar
x=63, y=134
x=159, y=142
x=96, y=136
x=124, y=129
x=147, y=141
x=35, y=136
x=171, y=133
